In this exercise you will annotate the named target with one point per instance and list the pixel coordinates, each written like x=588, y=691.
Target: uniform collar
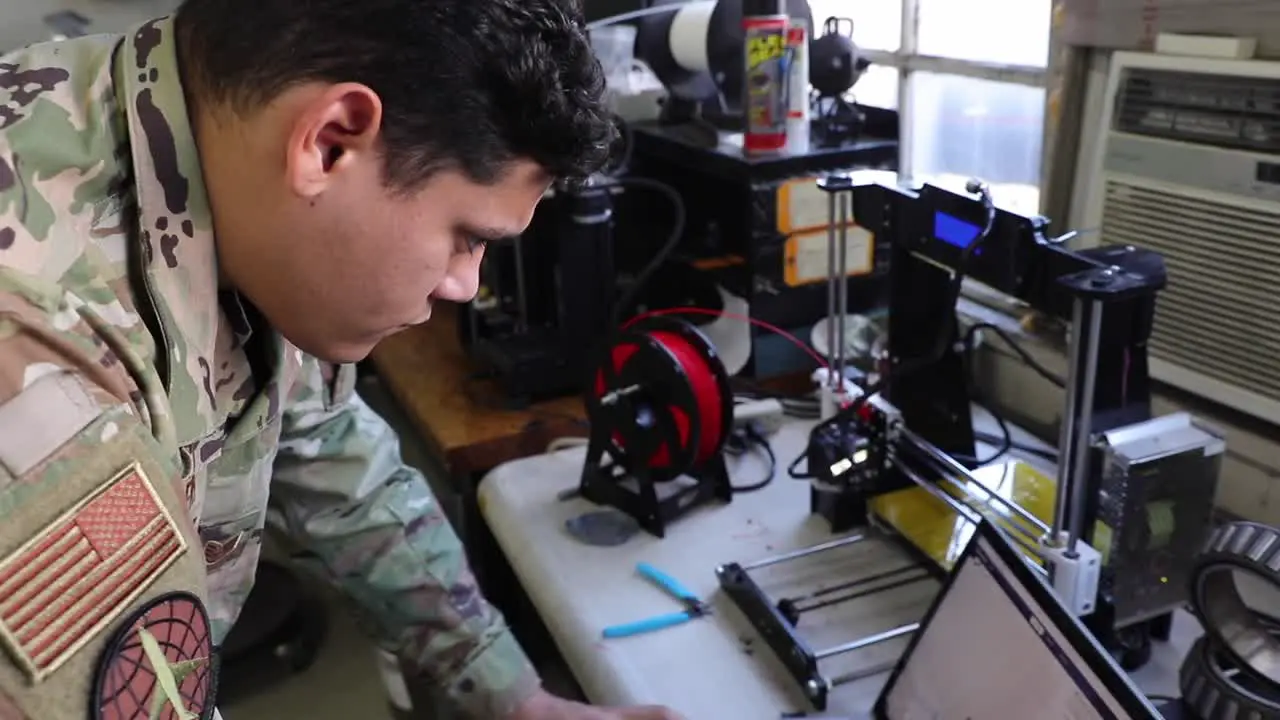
x=175, y=223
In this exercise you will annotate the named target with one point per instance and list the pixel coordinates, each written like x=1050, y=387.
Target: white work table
x=716, y=667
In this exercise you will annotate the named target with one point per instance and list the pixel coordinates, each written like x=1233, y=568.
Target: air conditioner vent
x=1218, y=313
x=1221, y=110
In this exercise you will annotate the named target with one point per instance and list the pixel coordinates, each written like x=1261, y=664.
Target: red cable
x=822, y=362
x=698, y=369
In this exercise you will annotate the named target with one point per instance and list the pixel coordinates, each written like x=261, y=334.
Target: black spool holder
x=629, y=429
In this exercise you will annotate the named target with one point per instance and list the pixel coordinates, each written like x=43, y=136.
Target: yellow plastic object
x=941, y=534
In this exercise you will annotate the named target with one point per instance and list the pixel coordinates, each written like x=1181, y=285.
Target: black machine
x=752, y=221
x=529, y=325
x=707, y=216
x=1134, y=493
x=742, y=235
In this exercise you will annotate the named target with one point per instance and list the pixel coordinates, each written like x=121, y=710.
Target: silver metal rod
x=522, y=301
x=1084, y=427
x=867, y=641
x=842, y=284
x=796, y=555
x=953, y=466
x=863, y=673
x=1007, y=508
x=852, y=584
x=970, y=514
x=954, y=503
x=832, y=291
x=1068, y=423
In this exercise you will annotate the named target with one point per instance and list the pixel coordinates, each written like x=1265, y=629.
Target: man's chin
x=340, y=353
x=348, y=350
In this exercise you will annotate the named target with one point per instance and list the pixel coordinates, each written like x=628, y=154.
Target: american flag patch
x=69, y=582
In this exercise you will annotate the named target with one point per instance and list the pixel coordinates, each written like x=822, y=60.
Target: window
x=973, y=75
x=1005, y=32
x=963, y=127
x=877, y=24
x=878, y=86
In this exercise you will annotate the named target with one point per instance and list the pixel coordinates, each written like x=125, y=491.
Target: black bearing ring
x=1237, y=632
x=1213, y=689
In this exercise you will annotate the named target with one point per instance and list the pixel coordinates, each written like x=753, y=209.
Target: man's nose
x=461, y=284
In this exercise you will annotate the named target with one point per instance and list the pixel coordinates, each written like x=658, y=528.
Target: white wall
x=22, y=21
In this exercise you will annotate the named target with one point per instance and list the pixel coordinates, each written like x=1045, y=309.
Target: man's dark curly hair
x=466, y=84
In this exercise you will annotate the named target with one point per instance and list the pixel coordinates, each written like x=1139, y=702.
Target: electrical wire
x=789, y=337
x=1004, y=442
x=632, y=15
x=668, y=246
x=745, y=440
x=970, y=339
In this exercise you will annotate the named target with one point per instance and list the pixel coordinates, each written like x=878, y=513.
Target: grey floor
x=345, y=683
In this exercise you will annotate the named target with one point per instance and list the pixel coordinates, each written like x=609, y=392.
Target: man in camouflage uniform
x=161, y=384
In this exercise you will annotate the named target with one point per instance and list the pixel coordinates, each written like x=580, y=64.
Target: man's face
x=335, y=259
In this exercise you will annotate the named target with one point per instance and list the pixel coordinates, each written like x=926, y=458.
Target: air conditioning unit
x=1188, y=163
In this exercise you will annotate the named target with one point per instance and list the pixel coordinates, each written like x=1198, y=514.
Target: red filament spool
x=665, y=396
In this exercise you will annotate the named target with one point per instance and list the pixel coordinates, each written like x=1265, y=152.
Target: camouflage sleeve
x=94, y=534
x=371, y=524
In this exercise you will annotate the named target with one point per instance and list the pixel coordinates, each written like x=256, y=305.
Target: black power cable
x=668, y=246
x=1004, y=441
x=745, y=440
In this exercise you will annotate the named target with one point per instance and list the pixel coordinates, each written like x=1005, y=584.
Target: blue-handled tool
x=693, y=606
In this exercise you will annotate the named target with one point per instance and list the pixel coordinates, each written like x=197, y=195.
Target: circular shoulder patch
x=158, y=664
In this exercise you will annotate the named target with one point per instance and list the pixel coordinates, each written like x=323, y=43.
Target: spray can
x=798, y=111
x=765, y=24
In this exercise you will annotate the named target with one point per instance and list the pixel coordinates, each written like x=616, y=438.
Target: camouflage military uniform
x=147, y=417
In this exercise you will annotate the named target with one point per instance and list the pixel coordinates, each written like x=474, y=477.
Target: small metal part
x=612, y=397
x=1075, y=569
x=1214, y=689
x=1237, y=631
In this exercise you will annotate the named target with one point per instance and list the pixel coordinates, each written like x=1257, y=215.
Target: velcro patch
x=64, y=586
x=159, y=664
x=42, y=418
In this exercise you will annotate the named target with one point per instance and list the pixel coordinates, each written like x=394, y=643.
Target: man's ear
x=335, y=129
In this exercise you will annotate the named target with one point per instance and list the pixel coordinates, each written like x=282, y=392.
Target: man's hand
x=545, y=706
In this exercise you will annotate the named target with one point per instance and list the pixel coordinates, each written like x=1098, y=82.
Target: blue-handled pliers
x=693, y=607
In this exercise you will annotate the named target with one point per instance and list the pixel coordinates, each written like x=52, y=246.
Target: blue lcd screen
x=954, y=231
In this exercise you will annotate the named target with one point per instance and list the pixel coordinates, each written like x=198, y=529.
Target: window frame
x=908, y=60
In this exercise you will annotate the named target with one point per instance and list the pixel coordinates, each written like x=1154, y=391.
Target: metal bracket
x=1074, y=573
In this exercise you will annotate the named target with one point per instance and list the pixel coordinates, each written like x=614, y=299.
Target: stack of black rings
x=1233, y=671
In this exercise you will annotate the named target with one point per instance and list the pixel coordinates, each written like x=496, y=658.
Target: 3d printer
x=1133, y=494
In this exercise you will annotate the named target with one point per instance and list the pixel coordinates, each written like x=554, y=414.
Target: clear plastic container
x=615, y=46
